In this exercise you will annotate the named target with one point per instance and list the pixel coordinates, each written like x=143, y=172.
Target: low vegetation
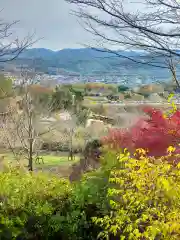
x=124, y=185
x=128, y=194
x=154, y=134
x=127, y=198
x=45, y=160
x=143, y=197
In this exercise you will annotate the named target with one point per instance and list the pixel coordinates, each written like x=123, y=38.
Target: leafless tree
x=172, y=66
x=148, y=25
x=68, y=128
x=24, y=128
x=10, y=45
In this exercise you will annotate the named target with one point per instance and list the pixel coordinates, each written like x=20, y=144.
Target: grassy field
x=58, y=160
x=49, y=160
x=96, y=99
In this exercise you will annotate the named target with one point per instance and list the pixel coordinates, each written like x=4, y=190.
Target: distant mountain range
x=86, y=61
x=83, y=60
x=69, y=54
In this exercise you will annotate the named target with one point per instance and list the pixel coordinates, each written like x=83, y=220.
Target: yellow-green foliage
x=174, y=106
x=24, y=196
x=43, y=207
x=144, y=200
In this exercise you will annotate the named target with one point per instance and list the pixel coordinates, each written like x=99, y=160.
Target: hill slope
x=84, y=60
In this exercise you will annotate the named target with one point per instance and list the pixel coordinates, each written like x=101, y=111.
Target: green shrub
x=126, y=199
x=144, y=199
x=39, y=206
x=55, y=146
x=30, y=203
x=78, y=145
x=88, y=200
x=122, y=88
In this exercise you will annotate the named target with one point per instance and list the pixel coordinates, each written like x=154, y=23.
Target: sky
x=50, y=19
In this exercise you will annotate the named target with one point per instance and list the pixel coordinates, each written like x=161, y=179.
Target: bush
x=30, y=203
x=122, y=88
x=63, y=146
x=144, y=200
x=155, y=134
x=88, y=200
x=38, y=206
x=127, y=197
x=55, y=146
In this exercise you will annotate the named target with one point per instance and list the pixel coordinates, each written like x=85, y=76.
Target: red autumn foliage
x=155, y=134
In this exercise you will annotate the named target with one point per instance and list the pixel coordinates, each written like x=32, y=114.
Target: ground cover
x=50, y=161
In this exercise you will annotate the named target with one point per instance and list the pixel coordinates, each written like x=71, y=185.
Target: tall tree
x=61, y=98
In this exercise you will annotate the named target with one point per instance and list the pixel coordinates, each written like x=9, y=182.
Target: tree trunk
x=70, y=147
x=30, y=155
x=31, y=139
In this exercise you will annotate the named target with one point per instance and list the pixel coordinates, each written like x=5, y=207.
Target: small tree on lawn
x=71, y=101
x=71, y=125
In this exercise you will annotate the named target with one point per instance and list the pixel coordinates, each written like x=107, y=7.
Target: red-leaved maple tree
x=155, y=134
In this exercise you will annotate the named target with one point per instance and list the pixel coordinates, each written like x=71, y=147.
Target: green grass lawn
x=96, y=99
x=58, y=160
x=49, y=160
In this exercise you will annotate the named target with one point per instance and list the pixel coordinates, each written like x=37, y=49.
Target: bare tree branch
x=119, y=24
x=10, y=45
x=23, y=128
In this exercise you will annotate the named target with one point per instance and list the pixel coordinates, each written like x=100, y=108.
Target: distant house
x=94, y=123
x=65, y=116
x=104, y=119
x=115, y=97
x=100, y=92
